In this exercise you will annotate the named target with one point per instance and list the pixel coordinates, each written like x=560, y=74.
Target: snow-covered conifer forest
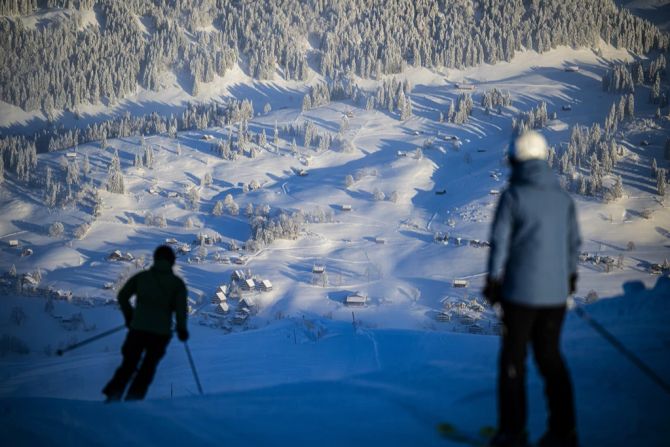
x=327, y=173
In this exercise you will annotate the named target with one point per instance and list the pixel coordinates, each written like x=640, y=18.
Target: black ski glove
x=493, y=290
x=573, y=283
x=182, y=335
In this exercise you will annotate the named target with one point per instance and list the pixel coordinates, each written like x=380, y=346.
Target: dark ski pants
x=137, y=343
x=541, y=326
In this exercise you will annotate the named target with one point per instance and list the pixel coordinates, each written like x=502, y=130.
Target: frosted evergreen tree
x=2, y=172
x=654, y=168
x=306, y=103
x=267, y=108
x=86, y=166
x=72, y=173
x=276, y=137
x=160, y=221
x=393, y=197
x=148, y=156
x=617, y=191
x=406, y=110
x=294, y=147
x=56, y=229
x=655, y=93
x=581, y=188
x=621, y=108
x=81, y=230
x=262, y=139
x=348, y=181
x=249, y=209
x=639, y=75
x=378, y=194
x=206, y=180
x=660, y=182
x=218, y=208
x=630, y=106
x=193, y=198
x=114, y=176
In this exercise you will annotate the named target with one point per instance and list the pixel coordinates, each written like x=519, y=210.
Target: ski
x=480, y=439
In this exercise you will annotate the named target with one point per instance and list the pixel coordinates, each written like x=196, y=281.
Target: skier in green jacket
x=159, y=293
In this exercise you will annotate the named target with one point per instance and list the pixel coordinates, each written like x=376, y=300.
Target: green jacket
x=159, y=293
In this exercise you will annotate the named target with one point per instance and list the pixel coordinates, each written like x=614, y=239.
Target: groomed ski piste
x=305, y=369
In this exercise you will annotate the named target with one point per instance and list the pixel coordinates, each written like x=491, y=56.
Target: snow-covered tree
x=114, y=176
x=218, y=208
x=617, y=191
x=249, y=209
x=193, y=198
x=56, y=229
x=660, y=182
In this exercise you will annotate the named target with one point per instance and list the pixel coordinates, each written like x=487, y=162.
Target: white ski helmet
x=530, y=145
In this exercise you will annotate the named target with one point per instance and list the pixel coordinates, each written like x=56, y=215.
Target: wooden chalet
x=241, y=316
x=356, y=299
x=265, y=285
x=219, y=297
x=248, y=284
x=459, y=283
x=222, y=308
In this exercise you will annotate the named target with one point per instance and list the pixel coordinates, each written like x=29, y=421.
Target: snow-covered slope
x=297, y=370
x=352, y=386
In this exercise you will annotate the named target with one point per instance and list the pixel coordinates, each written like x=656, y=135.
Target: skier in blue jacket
x=532, y=269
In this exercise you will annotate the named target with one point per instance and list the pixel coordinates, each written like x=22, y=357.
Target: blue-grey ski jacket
x=534, y=238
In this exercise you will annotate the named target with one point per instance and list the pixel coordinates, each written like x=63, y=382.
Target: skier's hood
x=533, y=172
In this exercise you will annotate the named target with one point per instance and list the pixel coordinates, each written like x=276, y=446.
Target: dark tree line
x=622, y=78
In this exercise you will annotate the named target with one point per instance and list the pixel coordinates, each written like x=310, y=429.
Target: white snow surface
x=352, y=386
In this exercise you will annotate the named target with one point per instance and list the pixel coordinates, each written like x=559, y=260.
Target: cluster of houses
x=14, y=243
x=445, y=239
x=239, y=290
x=29, y=284
x=660, y=269
x=117, y=255
x=468, y=314
x=607, y=261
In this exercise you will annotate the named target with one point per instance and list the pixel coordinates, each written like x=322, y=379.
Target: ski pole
x=195, y=373
x=90, y=340
x=622, y=349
